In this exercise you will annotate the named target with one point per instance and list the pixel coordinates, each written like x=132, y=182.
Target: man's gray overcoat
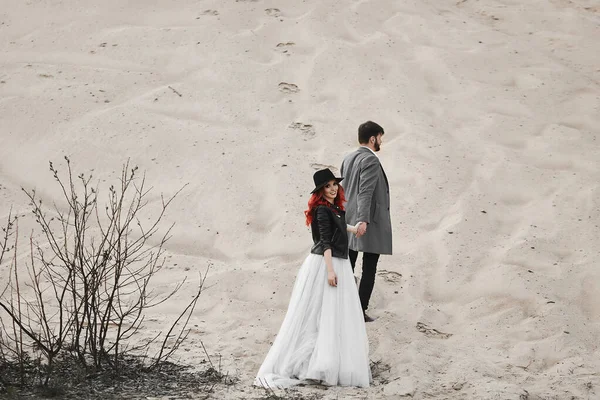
x=368, y=200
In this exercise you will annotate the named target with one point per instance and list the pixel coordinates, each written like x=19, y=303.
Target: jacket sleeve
x=366, y=187
x=325, y=228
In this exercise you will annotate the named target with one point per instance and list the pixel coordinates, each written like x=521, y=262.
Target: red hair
x=317, y=199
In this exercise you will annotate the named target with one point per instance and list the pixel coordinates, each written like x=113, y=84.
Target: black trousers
x=367, y=281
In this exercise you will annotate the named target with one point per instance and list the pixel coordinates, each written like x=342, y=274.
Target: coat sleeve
x=325, y=228
x=366, y=186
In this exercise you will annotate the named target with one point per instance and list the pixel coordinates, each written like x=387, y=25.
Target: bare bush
x=87, y=288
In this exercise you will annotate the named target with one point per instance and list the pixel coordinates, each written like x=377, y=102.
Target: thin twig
x=207, y=356
x=175, y=91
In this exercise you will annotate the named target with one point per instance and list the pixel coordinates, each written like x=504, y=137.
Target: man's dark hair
x=368, y=129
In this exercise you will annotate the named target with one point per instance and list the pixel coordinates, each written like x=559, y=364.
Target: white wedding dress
x=323, y=336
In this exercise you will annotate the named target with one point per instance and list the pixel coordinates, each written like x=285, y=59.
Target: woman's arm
x=331, y=276
x=324, y=225
x=352, y=228
x=325, y=232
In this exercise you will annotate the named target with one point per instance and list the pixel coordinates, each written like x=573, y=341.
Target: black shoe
x=367, y=318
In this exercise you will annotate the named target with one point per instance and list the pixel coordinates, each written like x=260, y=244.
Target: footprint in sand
x=390, y=276
x=431, y=332
x=490, y=16
x=273, y=12
x=210, y=12
x=288, y=88
x=285, y=44
x=308, y=131
x=284, y=47
x=380, y=371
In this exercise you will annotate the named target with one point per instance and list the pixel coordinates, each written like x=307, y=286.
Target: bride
x=323, y=336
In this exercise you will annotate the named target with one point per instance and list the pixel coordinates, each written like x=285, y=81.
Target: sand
x=492, y=116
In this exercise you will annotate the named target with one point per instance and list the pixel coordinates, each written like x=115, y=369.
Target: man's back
x=367, y=207
x=367, y=195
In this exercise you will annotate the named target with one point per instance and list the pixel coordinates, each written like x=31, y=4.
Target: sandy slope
x=492, y=116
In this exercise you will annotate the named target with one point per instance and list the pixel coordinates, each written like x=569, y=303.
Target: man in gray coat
x=368, y=202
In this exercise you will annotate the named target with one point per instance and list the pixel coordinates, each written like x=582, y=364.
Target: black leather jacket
x=329, y=231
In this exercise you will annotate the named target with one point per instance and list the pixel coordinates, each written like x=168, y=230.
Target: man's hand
x=361, y=229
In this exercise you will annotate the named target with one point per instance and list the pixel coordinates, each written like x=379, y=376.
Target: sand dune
x=492, y=118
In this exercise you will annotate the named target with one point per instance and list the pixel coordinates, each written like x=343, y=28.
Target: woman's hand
x=331, y=277
x=352, y=229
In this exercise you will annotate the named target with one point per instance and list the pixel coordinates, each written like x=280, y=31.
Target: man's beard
x=377, y=146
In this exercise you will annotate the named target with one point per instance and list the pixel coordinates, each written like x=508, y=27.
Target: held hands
x=361, y=229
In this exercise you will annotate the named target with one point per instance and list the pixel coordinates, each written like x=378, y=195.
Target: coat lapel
x=385, y=176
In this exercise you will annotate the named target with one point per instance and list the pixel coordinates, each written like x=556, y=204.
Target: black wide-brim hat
x=321, y=178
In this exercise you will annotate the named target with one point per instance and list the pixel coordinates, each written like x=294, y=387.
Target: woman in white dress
x=323, y=336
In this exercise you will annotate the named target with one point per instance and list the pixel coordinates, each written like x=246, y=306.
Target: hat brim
x=338, y=180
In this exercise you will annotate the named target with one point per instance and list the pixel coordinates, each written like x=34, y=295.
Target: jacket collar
x=335, y=209
x=366, y=149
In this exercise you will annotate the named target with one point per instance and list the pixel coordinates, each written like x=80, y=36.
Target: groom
x=368, y=193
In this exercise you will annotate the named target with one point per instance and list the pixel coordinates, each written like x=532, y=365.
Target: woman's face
x=330, y=190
